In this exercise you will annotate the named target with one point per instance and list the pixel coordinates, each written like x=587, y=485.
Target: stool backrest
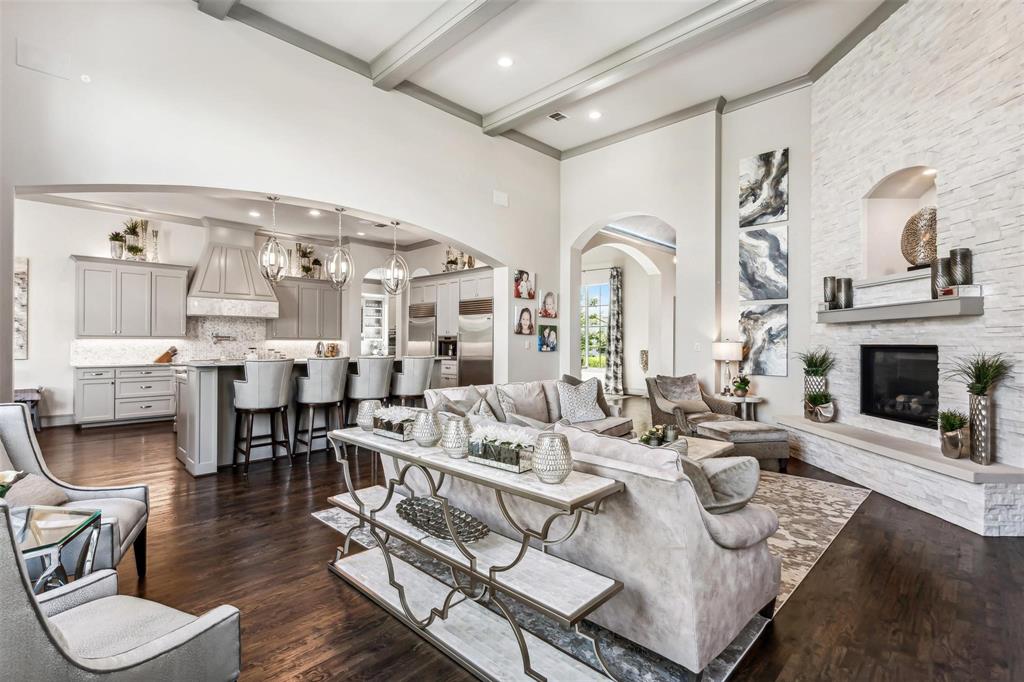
x=414, y=378
x=267, y=385
x=324, y=381
x=372, y=378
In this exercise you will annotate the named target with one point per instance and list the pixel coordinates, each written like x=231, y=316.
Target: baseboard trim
x=57, y=420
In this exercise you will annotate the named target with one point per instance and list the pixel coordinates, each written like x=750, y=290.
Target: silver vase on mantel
x=552, y=460
x=455, y=437
x=426, y=429
x=957, y=443
x=364, y=417
x=981, y=428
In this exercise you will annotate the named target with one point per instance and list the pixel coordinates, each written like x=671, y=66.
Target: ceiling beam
x=444, y=28
x=714, y=21
x=218, y=9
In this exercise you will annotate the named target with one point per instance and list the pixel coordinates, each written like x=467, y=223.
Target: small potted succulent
x=981, y=372
x=503, y=447
x=741, y=385
x=116, y=245
x=819, y=407
x=818, y=362
x=317, y=266
x=135, y=252
x=954, y=434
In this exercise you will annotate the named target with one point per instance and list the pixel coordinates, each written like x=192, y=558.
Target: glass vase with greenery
x=981, y=372
x=135, y=252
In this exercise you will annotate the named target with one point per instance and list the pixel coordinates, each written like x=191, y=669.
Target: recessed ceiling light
x=254, y=214
x=86, y=78
x=594, y=115
x=313, y=212
x=361, y=234
x=929, y=171
x=506, y=62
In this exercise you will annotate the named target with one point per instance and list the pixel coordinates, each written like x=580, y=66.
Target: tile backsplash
x=197, y=345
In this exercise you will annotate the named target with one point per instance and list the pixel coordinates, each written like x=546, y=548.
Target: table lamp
x=727, y=352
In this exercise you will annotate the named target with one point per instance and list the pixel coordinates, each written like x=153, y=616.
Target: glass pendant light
x=395, y=278
x=273, y=257
x=339, y=262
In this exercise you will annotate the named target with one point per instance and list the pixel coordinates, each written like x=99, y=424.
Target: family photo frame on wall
x=547, y=338
x=547, y=307
x=523, y=321
x=524, y=285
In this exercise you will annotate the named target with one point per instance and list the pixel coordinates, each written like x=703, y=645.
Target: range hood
x=227, y=280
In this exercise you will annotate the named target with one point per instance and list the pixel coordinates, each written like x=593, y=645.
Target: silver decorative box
x=398, y=430
x=503, y=457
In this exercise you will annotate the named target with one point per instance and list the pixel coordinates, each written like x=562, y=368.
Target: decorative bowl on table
x=503, y=447
x=427, y=514
x=394, y=422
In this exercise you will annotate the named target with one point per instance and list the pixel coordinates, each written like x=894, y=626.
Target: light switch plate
x=500, y=198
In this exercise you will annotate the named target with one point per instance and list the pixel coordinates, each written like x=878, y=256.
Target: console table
x=490, y=570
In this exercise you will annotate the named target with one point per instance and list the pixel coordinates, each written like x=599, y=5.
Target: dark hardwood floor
x=899, y=595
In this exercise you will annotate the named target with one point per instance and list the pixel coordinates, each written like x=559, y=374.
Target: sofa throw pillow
x=684, y=392
x=579, y=403
x=35, y=489
x=470, y=405
x=601, y=401
x=525, y=398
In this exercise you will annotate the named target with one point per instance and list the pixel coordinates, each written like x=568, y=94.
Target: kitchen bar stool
x=370, y=381
x=266, y=390
x=414, y=379
x=323, y=387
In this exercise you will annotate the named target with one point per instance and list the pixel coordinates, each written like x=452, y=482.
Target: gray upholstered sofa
x=692, y=579
x=86, y=631
x=538, y=402
x=125, y=510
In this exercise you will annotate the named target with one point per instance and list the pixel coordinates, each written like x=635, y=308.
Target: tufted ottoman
x=769, y=444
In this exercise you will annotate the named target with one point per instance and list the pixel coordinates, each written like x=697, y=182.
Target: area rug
x=811, y=514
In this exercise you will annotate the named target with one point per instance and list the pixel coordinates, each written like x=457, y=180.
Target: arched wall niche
x=885, y=210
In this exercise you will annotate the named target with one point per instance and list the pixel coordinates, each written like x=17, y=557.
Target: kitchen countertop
x=96, y=365
x=198, y=363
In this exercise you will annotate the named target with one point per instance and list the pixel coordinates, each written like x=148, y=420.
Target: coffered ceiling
x=611, y=67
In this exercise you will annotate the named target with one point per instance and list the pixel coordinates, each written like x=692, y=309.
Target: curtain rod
x=597, y=269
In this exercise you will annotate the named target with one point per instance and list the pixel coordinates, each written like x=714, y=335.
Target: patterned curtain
x=613, y=372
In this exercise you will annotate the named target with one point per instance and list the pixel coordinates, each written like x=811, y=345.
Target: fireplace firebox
x=900, y=383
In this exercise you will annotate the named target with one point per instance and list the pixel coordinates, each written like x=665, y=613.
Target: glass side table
x=44, y=532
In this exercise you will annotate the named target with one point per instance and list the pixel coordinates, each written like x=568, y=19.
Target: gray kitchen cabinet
x=307, y=309
x=115, y=298
x=116, y=394
x=94, y=400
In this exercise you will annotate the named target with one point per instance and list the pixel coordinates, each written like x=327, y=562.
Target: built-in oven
x=448, y=347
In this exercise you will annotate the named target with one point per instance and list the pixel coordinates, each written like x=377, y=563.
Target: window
x=594, y=329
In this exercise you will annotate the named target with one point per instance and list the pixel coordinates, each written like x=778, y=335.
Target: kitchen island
x=205, y=421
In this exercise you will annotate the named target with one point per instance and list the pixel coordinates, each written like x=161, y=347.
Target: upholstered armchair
x=124, y=510
x=86, y=631
x=687, y=414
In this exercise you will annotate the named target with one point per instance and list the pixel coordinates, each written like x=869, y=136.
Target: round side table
x=752, y=400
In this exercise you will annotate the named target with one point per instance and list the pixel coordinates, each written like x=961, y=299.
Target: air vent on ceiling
x=557, y=116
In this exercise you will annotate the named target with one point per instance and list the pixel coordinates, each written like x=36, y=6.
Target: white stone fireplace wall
x=938, y=85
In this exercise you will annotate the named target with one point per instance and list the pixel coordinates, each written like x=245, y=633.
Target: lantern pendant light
x=395, y=278
x=339, y=262
x=273, y=257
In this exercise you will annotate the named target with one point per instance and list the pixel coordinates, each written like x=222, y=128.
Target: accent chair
x=683, y=402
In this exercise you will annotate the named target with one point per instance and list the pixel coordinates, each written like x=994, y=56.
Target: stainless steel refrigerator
x=422, y=339
x=476, y=342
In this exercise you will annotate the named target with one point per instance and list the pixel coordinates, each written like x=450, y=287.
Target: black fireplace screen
x=900, y=383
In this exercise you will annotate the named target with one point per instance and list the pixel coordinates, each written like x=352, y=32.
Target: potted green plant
x=653, y=436
x=818, y=362
x=981, y=372
x=135, y=252
x=116, y=245
x=317, y=266
x=307, y=270
x=819, y=407
x=741, y=385
x=954, y=434
x=133, y=231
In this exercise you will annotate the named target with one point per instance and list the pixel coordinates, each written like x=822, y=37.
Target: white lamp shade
x=727, y=351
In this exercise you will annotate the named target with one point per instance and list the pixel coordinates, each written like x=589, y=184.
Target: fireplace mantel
x=962, y=306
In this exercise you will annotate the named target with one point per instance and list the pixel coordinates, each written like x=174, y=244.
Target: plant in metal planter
x=116, y=245
x=820, y=407
x=981, y=372
x=502, y=447
x=818, y=362
x=954, y=434
x=394, y=422
x=741, y=385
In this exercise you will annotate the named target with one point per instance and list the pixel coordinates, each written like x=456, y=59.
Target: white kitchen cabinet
x=116, y=298
x=448, y=308
x=477, y=286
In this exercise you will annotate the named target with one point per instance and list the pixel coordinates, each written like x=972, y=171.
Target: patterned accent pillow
x=508, y=406
x=579, y=403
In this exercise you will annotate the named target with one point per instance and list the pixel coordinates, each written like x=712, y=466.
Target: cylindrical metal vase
x=844, y=292
x=981, y=429
x=957, y=443
x=552, y=460
x=940, y=276
x=426, y=429
x=455, y=437
x=829, y=286
x=364, y=417
x=960, y=267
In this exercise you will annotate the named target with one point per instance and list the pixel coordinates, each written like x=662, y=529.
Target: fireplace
x=900, y=383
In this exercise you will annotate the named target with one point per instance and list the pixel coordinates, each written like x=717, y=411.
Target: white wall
x=239, y=109
x=672, y=174
x=48, y=235
x=777, y=123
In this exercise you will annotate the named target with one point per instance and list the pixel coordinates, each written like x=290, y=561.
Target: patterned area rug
x=811, y=514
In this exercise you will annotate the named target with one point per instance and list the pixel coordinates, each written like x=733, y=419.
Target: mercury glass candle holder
x=829, y=289
x=552, y=460
x=455, y=437
x=960, y=267
x=844, y=292
x=364, y=417
x=426, y=429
